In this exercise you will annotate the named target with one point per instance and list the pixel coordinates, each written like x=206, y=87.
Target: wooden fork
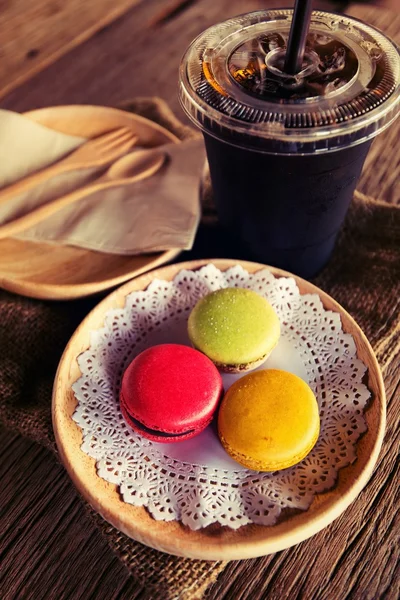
x=133, y=167
x=97, y=152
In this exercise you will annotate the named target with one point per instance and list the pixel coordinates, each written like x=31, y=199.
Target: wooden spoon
x=98, y=152
x=136, y=166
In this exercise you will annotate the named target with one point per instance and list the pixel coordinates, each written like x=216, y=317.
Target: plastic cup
x=285, y=152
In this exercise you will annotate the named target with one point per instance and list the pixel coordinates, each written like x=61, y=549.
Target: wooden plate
x=41, y=270
x=216, y=543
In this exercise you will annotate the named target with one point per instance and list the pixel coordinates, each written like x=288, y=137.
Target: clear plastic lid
x=232, y=83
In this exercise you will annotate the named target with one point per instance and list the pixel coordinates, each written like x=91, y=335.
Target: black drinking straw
x=297, y=37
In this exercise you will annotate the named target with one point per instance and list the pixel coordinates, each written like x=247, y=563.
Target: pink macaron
x=170, y=393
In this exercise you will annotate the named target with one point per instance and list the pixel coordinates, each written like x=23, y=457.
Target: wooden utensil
x=95, y=153
x=133, y=167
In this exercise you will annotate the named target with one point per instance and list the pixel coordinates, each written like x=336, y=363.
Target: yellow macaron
x=269, y=420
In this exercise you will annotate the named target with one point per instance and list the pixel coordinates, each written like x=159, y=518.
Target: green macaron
x=235, y=327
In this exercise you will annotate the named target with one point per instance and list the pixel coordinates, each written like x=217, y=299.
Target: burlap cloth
x=363, y=275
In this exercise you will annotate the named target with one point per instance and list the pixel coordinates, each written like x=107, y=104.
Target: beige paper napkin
x=26, y=146
x=159, y=213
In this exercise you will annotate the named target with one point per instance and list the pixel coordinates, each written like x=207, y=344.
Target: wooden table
x=104, y=52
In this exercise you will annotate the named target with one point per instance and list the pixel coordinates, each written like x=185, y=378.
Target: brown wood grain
x=48, y=547
x=34, y=34
x=104, y=71
x=375, y=175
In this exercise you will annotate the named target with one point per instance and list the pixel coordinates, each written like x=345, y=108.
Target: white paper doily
x=195, y=481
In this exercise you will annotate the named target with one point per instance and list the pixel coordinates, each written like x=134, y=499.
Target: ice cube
x=271, y=41
x=334, y=85
x=318, y=39
x=333, y=61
